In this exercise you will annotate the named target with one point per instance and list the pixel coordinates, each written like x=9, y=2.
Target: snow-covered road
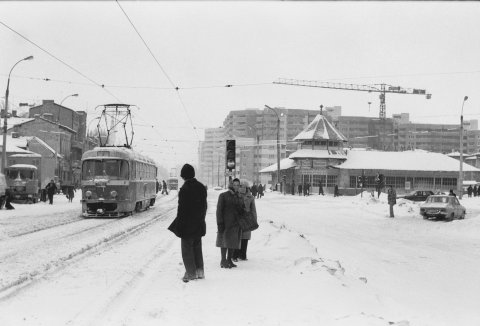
x=314, y=260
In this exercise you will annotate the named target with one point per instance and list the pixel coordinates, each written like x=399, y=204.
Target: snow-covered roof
x=11, y=122
x=23, y=166
x=320, y=128
x=318, y=153
x=15, y=141
x=44, y=144
x=403, y=161
x=286, y=163
x=26, y=155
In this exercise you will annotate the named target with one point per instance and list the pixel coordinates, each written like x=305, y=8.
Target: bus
x=172, y=183
x=116, y=182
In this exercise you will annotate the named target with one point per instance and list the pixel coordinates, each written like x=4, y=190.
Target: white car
x=442, y=206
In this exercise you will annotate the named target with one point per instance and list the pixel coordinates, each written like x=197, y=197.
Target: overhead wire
x=61, y=61
x=175, y=87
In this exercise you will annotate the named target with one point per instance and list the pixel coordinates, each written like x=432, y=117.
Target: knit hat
x=187, y=172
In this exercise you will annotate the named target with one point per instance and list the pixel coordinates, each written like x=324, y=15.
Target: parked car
x=442, y=206
x=417, y=195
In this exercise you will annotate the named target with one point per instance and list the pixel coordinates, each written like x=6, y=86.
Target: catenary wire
x=61, y=61
x=161, y=68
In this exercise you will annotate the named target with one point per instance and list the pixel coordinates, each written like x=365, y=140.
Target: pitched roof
x=320, y=128
x=403, y=161
x=318, y=153
x=285, y=163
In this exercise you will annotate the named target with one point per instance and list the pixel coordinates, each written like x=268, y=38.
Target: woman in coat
x=229, y=208
x=249, y=201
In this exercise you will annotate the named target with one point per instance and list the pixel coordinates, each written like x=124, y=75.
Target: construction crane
x=378, y=88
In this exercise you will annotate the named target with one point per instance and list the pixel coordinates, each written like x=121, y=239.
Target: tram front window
x=106, y=169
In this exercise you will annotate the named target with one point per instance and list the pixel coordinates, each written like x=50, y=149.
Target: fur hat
x=187, y=172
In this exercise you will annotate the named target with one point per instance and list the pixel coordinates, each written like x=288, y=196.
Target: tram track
x=77, y=251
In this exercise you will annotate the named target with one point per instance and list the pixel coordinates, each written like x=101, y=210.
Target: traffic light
x=230, y=155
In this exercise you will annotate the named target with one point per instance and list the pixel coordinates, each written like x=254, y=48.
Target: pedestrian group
x=236, y=218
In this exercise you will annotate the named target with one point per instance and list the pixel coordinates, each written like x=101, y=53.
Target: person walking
x=71, y=193
x=164, y=188
x=293, y=187
x=475, y=191
x=299, y=189
x=249, y=202
x=229, y=209
x=320, y=190
x=335, y=191
x=51, y=189
x=189, y=225
x=392, y=199
x=260, y=191
x=469, y=191
x=254, y=190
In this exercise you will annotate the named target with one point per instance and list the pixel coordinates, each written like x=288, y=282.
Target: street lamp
x=71, y=95
x=4, y=149
x=278, y=143
x=460, y=176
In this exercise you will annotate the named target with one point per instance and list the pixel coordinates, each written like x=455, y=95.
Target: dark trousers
x=50, y=198
x=242, y=252
x=192, y=255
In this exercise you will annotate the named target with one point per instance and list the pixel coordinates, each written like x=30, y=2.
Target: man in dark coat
x=229, y=208
x=320, y=190
x=469, y=191
x=51, y=189
x=299, y=189
x=260, y=191
x=254, y=190
x=189, y=225
x=164, y=188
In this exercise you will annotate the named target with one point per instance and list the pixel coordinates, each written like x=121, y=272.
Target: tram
x=172, y=183
x=116, y=181
x=22, y=183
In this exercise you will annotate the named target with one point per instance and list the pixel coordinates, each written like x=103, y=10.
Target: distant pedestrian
x=299, y=189
x=469, y=191
x=249, y=202
x=8, y=199
x=157, y=186
x=229, y=209
x=260, y=191
x=320, y=190
x=335, y=191
x=392, y=199
x=164, y=188
x=254, y=190
x=51, y=189
x=475, y=191
x=451, y=193
x=189, y=225
x=70, y=193
x=293, y=187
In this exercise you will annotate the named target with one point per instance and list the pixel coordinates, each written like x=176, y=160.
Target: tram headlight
x=113, y=193
x=88, y=194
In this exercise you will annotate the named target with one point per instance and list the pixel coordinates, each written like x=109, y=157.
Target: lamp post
x=460, y=176
x=71, y=95
x=4, y=147
x=278, y=143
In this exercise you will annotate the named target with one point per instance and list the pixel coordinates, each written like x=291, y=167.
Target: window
x=111, y=169
x=353, y=181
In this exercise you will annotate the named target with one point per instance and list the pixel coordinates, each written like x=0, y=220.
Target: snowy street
x=315, y=260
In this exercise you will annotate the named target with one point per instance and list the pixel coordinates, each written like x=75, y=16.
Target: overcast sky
x=200, y=45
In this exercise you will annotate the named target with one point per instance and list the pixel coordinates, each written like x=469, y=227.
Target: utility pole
x=460, y=176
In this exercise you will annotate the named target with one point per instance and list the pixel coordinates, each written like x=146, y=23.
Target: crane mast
x=378, y=88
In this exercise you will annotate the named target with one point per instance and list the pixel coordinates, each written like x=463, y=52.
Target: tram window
x=111, y=169
x=26, y=174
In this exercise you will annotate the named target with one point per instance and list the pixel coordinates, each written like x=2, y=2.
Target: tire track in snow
x=127, y=291
x=28, y=278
